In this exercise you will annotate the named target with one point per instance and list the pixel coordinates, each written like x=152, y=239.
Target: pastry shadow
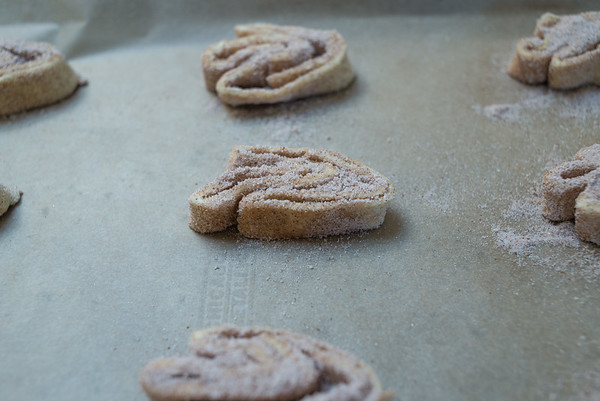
x=299, y=106
x=227, y=237
x=392, y=228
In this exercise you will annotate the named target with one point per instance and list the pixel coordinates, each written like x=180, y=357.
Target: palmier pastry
x=564, y=52
x=32, y=74
x=259, y=364
x=587, y=210
x=572, y=190
x=277, y=192
x=271, y=64
x=8, y=197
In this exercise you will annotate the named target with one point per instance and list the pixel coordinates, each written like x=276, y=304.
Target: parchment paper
x=99, y=271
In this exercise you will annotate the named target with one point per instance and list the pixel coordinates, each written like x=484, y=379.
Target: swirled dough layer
x=32, y=74
x=259, y=364
x=572, y=190
x=271, y=64
x=564, y=52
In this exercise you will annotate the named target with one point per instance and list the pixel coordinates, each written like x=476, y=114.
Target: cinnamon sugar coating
x=259, y=364
x=572, y=190
x=277, y=192
x=271, y=64
x=32, y=74
x=564, y=52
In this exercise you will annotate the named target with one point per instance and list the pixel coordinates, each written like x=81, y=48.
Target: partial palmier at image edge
x=260, y=364
x=33, y=74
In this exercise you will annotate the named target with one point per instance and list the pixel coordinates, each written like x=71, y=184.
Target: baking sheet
x=100, y=273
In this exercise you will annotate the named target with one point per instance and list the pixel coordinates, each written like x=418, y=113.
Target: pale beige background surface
x=100, y=273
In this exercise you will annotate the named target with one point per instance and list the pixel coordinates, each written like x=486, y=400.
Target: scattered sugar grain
x=523, y=231
x=522, y=243
x=581, y=104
